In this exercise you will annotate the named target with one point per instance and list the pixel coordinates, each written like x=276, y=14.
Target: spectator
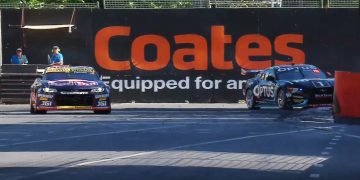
x=18, y=58
x=56, y=58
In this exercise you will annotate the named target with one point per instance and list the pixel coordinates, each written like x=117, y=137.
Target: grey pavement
x=177, y=141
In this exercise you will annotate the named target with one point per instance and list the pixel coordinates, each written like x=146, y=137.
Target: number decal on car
x=46, y=103
x=101, y=103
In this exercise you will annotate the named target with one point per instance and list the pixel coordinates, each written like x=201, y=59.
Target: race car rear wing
x=249, y=71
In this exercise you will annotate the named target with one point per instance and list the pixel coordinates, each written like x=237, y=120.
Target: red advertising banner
x=188, y=55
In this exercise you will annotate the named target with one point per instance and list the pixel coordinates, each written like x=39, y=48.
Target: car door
x=256, y=86
x=267, y=85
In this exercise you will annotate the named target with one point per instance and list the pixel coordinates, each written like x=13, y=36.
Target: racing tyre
x=250, y=100
x=33, y=110
x=281, y=100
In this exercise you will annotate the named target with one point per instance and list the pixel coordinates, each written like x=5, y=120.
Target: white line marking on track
x=328, y=148
x=316, y=122
x=325, y=153
x=166, y=149
x=198, y=118
x=326, y=128
x=332, y=143
x=112, y=159
x=351, y=135
x=314, y=175
x=319, y=165
x=89, y=135
x=22, y=133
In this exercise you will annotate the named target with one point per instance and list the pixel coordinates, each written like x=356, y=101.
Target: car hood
x=312, y=83
x=73, y=84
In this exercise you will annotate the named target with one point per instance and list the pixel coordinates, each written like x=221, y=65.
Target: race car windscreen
x=53, y=76
x=298, y=73
x=313, y=74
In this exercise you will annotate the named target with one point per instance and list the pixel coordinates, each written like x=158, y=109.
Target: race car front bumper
x=57, y=101
x=311, y=100
x=73, y=108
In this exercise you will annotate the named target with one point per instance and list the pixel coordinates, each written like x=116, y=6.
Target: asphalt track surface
x=171, y=142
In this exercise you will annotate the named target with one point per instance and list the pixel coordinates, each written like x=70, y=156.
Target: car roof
x=293, y=66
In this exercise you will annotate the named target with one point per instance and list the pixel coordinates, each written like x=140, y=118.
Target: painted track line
x=153, y=152
x=351, y=135
x=89, y=135
x=198, y=118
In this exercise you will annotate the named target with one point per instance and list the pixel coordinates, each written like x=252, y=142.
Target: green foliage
x=157, y=5
x=131, y=3
x=34, y=2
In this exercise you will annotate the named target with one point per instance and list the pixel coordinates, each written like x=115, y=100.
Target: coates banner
x=188, y=55
x=198, y=55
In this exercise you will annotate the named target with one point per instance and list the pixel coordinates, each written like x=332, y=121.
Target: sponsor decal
x=263, y=91
x=67, y=92
x=72, y=83
x=101, y=103
x=317, y=71
x=74, y=107
x=70, y=70
x=45, y=96
x=298, y=100
x=305, y=68
x=298, y=97
x=320, y=105
x=156, y=85
x=320, y=83
x=166, y=54
x=319, y=96
x=102, y=99
x=46, y=103
x=101, y=96
x=57, y=70
x=43, y=99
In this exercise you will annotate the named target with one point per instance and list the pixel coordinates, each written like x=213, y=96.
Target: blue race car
x=69, y=88
x=289, y=86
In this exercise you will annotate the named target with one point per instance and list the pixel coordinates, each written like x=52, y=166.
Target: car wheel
x=250, y=99
x=281, y=100
x=33, y=109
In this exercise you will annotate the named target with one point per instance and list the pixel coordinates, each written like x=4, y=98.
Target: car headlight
x=49, y=90
x=98, y=90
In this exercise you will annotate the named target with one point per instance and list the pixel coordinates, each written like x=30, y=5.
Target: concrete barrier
x=347, y=94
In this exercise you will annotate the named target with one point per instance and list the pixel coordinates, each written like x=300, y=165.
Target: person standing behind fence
x=18, y=58
x=56, y=58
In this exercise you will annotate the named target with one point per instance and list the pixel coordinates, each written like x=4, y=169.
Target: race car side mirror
x=270, y=78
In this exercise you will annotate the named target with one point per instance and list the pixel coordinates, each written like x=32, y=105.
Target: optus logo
x=246, y=48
